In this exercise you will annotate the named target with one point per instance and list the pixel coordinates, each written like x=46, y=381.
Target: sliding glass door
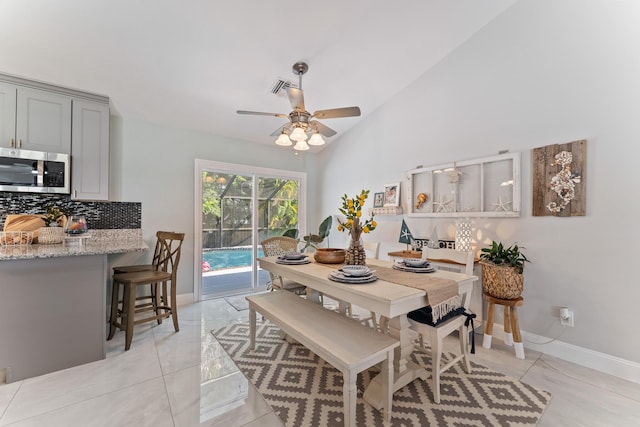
x=240, y=207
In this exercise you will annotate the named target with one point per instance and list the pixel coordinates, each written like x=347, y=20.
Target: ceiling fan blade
x=322, y=129
x=296, y=98
x=337, y=112
x=257, y=113
x=278, y=131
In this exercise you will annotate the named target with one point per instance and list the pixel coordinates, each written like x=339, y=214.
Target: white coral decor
x=564, y=182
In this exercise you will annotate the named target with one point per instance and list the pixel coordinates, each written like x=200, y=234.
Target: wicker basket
x=15, y=238
x=501, y=281
x=50, y=235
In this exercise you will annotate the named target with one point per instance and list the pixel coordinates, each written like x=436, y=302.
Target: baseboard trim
x=183, y=299
x=602, y=362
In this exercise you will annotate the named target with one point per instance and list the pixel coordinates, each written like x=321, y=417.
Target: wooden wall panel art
x=559, y=186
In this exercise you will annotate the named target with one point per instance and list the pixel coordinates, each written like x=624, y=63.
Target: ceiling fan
x=300, y=120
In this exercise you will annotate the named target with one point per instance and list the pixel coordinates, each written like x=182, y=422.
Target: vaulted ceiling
x=192, y=64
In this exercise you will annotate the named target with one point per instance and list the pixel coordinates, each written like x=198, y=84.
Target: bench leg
x=252, y=328
x=387, y=381
x=349, y=393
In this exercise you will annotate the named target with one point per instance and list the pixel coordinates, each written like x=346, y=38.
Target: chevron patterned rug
x=306, y=391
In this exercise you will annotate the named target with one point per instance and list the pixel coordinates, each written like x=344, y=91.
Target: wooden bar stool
x=512, y=334
x=148, y=298
x=163, y=299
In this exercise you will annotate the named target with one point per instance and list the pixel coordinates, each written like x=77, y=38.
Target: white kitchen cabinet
x=486, y=187
x=90, y=151
x=43, y=121
x=43, y=117
x=7, y=115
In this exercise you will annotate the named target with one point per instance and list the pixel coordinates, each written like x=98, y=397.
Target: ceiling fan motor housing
x=300, y=118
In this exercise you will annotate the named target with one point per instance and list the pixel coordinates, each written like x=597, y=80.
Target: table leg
x=314, y=296
x=404, y=370
x=252, y=329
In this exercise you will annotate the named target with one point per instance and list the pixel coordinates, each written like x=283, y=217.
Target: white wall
x=155, y=165
x=544, y=72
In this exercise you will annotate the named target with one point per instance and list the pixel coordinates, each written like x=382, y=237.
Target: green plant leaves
x=498, y=254
x=325, y=227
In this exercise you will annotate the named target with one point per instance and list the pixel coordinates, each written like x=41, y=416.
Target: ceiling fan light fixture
x=301, y=145
x=283, y=140
x=316, y=139
x=298, y=134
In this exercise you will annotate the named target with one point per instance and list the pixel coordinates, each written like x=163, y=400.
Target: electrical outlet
x=566, y=317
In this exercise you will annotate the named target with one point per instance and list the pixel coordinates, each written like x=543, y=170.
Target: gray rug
x=306, y=391
x=239, y=302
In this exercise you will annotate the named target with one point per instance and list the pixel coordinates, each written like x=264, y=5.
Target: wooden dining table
x=385, y=298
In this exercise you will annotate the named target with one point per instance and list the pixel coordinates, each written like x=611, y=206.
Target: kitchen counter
x=96, y=242
x=53, y=306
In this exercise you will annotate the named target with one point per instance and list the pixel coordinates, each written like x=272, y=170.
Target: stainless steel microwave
x=34, y=171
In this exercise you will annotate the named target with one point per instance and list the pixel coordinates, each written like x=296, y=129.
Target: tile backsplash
x=99, y=215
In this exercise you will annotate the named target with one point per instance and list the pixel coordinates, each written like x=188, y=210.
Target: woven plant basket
x=501, y=281
x=50, y=235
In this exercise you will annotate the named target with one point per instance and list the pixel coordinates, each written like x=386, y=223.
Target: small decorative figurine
x=422, y=199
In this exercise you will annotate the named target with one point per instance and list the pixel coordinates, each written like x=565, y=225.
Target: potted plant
x=52, y=232
x=352, y=210
x=312, y=240
x=52, y=216
x=502, y=270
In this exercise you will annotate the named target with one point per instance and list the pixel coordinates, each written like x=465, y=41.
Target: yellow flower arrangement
x=352, y=210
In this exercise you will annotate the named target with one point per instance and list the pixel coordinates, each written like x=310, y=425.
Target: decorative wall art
x=483, y=187
x=378, y=200
x=392, y=194
x=559, y=187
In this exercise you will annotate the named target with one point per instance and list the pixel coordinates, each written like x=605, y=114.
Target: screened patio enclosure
x=239, y=210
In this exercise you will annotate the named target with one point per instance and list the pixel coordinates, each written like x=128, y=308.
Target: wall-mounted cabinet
x=486, y=187
x=43, y=117
x=90, y=151
x=33, y=119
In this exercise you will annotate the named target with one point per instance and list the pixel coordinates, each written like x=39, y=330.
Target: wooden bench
x=342, y=342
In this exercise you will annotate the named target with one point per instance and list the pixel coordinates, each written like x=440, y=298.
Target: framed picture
x=378, y=200
x=392, y=194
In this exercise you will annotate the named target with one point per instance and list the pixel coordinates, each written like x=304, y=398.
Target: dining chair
x=422, y=322
x=163, y=302
x=277, y=246
x=449, y=259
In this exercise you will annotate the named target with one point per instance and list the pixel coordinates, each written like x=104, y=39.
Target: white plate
x=337, y=274
x=293, y=261
x=293, y=256
x=350, y=280
x=402, y=267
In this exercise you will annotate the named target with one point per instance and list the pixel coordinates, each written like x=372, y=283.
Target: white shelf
x=486, y=187
x=389, y=210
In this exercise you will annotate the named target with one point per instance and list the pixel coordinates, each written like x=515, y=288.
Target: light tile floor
x=185, y=379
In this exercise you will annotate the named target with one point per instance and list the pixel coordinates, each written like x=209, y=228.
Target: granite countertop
x=96, y=242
